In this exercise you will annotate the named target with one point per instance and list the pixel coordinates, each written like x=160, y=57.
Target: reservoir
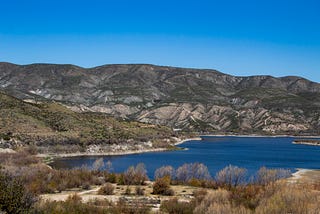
x=216, y=153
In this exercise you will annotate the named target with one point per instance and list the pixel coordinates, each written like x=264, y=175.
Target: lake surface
x=216, y=153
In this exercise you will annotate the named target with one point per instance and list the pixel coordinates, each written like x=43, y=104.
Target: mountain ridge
x=185, y=98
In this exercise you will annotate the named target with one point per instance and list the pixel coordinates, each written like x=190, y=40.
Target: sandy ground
x=184, y=193
x=305, y=176
x=7, y=150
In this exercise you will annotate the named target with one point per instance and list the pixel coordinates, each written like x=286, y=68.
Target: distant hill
x=53, y=127
x=189, y=99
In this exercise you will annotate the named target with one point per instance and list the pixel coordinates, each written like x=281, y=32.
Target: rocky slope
x=51, y=127
x=189, y=99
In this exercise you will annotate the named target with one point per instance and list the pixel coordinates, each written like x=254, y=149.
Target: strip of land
x=117, y=153
x=305, y=176
x=311, y=142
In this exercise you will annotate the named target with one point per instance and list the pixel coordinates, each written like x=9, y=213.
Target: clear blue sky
x=274, y=37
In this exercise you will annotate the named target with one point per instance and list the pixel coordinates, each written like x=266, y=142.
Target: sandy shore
x=307, y=176
x=299, y=174
x=79, y=154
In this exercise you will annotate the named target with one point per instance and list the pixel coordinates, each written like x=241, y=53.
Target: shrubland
x=229, y=191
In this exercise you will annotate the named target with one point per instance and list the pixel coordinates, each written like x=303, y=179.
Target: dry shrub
x=107, y=189
x=174, y=206
x=111, y=177
x=316, y=186
x=199, y=195
x=135, y=207
x=162, y=187
x=139, y=190
x=290, y=198
x=128, y=191
x=247, y=196
x=218, y=202
x=20, y=158
x=73, y=205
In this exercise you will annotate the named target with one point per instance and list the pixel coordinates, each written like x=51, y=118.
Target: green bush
x=13, y=196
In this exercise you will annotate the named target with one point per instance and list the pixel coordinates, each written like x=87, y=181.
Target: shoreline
x=303, y=175
x=253, y=135
x=129, y=152
x=306, y=142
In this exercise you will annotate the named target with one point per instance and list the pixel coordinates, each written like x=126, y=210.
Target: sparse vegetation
x=135, y=175
x=14, y=197
x=49, y=127
x=231, y=176
x=227, y=192
x=106, y=189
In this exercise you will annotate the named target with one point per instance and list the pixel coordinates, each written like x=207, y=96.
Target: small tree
x=266, y=176
x=98, y=164
x=164, y=171
x=231, y=176
x=140, y=174
x=192, y=171
x=135, y=175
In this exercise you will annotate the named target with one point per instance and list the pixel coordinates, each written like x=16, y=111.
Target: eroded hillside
x=189, y=99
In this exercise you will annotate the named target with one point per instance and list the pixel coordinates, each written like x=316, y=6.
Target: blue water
x=216, y=153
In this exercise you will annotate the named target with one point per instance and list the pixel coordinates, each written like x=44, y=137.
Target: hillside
x=52, y=127
x=188, y=99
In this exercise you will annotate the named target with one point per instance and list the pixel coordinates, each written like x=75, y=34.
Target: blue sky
x=242, y=38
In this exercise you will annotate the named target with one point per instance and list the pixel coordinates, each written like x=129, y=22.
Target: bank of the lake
x=309, y=142
x=118, y=153
x=216, y=152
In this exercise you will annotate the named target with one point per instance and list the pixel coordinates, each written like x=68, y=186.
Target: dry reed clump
x=288, y=198
x=107, y=189
x=174, y=206
x=219, y=202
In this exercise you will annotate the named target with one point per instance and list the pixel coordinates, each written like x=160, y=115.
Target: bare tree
x=231, y=176
x=135, y=175
x=109, y=166
x=129, y=175
x=266, y=176
x=98, y=164
x=140, y=174
x=192, y=171
x=164, y=171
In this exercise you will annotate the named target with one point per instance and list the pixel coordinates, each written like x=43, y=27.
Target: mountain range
x=201, y=100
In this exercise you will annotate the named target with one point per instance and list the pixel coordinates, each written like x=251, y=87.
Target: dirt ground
x=305, y=176
x=183, y=193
